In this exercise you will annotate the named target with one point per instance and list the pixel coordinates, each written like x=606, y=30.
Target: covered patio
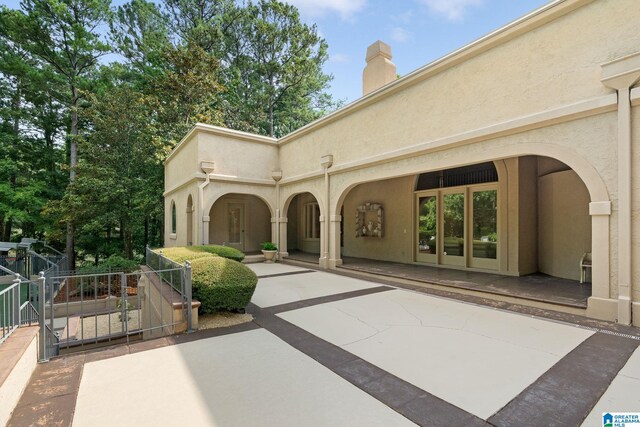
x=534, y=287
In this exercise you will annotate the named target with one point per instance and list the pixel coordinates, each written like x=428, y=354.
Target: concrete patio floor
x=327, y=350
x=533, y=287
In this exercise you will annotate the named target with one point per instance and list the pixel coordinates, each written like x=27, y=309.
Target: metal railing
x=16, y=308
x=30, y=264
x=165, y=267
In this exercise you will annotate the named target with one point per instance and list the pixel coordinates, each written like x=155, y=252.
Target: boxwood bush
x=222, y=284
x=181, y=254
x=223, y=251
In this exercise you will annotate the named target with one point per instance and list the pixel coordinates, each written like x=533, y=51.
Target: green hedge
x=221, y=284
x=223, y=251
x=181, y=254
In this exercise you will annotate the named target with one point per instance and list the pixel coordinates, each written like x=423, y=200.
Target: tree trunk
x=6, y=235
x=73, y=161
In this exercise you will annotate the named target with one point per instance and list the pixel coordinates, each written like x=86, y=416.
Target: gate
x=84, y=311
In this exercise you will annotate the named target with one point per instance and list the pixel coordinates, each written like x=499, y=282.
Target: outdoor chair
x=585, y=263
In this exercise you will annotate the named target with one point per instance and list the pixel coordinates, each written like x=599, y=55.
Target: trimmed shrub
x=181, y=254
x=223, y=251
x=222, y=284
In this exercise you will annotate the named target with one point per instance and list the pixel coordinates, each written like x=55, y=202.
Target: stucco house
x=515, y=154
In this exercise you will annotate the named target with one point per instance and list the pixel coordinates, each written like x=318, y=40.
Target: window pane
x=173, y=218
x=316, y=221
x=235, y=224
x=485, y=229
x=427, y=225
x=453, y=206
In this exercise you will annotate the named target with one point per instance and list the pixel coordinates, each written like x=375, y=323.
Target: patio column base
x=334, y=263
x=324, y=263
x=602, y=308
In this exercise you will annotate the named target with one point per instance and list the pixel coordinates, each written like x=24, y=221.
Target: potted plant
x=269, y=250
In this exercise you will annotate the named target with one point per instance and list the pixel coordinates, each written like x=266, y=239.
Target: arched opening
x=174, y=218
x=190, y=212
x=303, y=227
x=241, y=221
x=526, y=217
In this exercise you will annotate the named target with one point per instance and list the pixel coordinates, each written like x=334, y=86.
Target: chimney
x=379, y=70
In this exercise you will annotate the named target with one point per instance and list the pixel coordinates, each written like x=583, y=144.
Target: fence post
x=41, y=318
x=16, y=300
x=123, y=302
x=187, y=293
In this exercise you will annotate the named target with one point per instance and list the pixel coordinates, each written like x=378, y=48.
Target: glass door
x=235, y=224
x=453, y=246
x=484, y=226
x=427, y=227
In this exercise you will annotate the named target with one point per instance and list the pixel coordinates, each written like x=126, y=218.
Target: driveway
x=330, y=350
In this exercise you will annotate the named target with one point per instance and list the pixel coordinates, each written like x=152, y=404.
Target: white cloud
x=314, y=8
x=453, y=10
x=339, y=58
x=400, y=35
x=403, y=18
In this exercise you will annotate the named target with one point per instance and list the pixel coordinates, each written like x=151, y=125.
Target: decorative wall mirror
x=369, y=220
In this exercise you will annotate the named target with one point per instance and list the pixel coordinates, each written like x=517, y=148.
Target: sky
x=418, y=31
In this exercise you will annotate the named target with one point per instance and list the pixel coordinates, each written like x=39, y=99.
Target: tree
x=286, y=58
x=62, y=34
x=30, y=121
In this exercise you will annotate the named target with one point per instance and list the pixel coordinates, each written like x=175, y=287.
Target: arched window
x=173, y=217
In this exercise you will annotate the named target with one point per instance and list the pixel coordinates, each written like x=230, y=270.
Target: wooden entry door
x=236, y=225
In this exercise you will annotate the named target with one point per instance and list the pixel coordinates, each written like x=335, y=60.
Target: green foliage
x=269, y=246
x=221, y=284
x=82, y=144
x=181, y=254
x=113, y=263
x=223, y=251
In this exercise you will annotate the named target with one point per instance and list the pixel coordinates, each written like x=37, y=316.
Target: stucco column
x=326, y=162
x=275, y=230
x=283, y=248
x=600, y=213
x=620, y=75
x=335, y=258
x=323, y=261
x=207, y=168
x=205, y=229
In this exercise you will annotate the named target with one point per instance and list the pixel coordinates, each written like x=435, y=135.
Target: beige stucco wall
x=530, y=90
x=238, y=158
x=180, y=197
x=396, y=196
x=543, y=68
x=564, y=224
x=635, y=207
x=184, y=163
x=257, y=221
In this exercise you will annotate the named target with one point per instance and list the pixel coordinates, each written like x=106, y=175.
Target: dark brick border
x=566, y=393
x=405, y=398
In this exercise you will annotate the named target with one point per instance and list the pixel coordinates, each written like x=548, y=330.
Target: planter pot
x=269, y=256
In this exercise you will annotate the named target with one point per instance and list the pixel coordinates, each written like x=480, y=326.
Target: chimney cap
x=378, y=48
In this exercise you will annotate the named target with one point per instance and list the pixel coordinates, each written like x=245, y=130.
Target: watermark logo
x=621, y=419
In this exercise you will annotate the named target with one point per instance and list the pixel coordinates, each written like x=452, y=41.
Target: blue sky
x=419, y=31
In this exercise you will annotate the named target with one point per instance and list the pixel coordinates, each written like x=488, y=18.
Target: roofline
x=217, y=130
x=526, y=23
